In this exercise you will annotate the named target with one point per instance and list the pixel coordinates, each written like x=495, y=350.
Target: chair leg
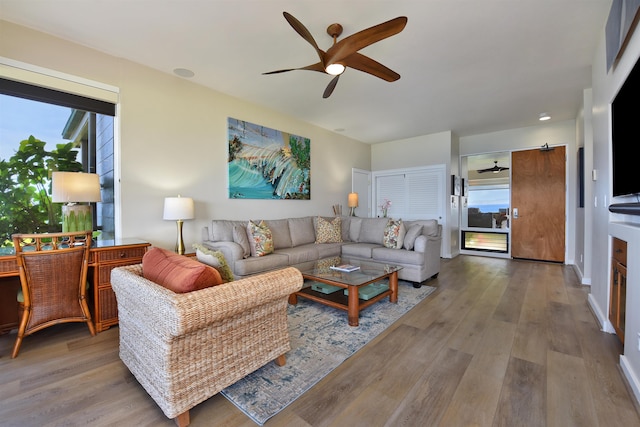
x=182, y=420
x=23, y=326
x=281, y=360
x=87, y=314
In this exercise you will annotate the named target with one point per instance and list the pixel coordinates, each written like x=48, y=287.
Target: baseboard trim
x=631, y=377
x=603, y=320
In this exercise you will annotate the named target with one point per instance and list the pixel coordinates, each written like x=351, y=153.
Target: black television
x=625, y=136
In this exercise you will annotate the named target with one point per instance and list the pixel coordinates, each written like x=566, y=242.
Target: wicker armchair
x=53, y=276
x=184, y=348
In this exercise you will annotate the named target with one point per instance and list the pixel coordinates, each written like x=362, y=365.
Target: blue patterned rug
x=321, y=339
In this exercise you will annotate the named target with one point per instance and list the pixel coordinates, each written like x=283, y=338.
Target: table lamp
x=73, y=189
x=352, y=202
x=178, y=209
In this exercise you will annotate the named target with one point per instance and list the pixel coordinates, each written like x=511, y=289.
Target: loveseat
x=298, y=240
x=185, y=347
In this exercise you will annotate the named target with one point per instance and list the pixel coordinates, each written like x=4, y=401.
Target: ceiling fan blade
x=365, y=64
x=331, y=86
x=304, y=33
x=314, y=67
x=364, y=38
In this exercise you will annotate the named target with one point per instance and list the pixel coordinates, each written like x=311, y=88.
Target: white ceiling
x=468, y=66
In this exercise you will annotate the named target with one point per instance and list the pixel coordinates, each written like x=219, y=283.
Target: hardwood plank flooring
x=500, y=343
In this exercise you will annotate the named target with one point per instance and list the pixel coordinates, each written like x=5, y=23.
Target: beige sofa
x=185, y=347
x=294, y=240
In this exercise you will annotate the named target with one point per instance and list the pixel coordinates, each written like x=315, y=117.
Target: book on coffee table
x=347, y=268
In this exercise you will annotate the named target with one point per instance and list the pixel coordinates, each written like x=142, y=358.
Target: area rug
x=321, y=339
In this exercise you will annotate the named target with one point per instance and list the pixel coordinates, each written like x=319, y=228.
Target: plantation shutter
x=414, y=193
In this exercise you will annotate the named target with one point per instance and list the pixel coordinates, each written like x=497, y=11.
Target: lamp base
x=353, y=212
x=179, y=241
x=76, y=218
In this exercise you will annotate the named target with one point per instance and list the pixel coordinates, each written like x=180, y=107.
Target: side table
x=106, y=256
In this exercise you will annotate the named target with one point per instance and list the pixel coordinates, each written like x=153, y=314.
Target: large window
x=44, y=130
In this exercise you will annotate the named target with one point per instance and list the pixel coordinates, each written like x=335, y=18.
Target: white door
x=361, y=184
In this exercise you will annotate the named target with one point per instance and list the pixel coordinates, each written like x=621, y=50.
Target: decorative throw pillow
x=329, y=231
x=410, y=238
x=261, y=240
x=241, y=238
x=215, y=259
x=394, y=234
x=178, y=272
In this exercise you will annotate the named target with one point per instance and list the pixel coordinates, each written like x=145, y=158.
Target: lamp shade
x=353, y=200
x=75, y=187
x=177, y=208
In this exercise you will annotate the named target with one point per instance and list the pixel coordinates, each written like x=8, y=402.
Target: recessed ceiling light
x=544, y=116
x=183, y=72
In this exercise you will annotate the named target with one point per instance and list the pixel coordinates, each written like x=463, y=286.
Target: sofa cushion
x=329, y=250
x=240, y=237
x=222, y=230
x=261, y=239
x=302, y=231
x=410, y=237
x=394, y=256
x=355, y=224
x=178, y=273
x=215, y=259
x=394, y=234
x=279, y=232
x=302, y=253
x=255, y=265
x=329, y=231
x=359, y=250
x=372, y=230
x=346, y=227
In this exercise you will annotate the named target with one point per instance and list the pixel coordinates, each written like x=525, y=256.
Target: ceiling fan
x=344, y=53
x=494, y=169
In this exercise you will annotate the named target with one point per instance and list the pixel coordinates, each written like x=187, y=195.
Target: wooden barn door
x=538, y=204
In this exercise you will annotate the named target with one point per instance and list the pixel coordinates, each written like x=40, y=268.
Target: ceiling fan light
x=334, y=69
x=544, y=116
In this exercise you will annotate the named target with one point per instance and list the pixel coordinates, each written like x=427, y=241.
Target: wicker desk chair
x=53, y=275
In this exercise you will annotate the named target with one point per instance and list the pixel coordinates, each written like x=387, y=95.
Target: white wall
x=172, y=138
x=606, y=84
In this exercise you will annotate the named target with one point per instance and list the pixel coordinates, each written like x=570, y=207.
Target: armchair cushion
x=176, y=272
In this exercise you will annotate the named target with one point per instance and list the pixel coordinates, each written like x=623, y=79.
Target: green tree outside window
x=25, y=188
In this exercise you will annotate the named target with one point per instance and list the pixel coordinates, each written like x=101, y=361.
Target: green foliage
x=235, y=146
x=25, y=187
x=301, y=152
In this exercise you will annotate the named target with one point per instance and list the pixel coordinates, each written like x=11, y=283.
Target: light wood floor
x=500, y=343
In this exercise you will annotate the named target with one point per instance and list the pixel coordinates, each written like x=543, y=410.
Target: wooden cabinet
x=104, y=308
x=618, y=298
x=104, y=257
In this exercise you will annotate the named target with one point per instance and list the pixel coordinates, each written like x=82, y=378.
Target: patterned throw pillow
x=394, y=234
x=261, y=240
x=329, y=231
x=215, y=259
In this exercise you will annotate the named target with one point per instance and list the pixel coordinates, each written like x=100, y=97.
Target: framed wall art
x=265, y=163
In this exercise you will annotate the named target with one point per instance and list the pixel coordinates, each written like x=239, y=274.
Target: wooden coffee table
x=369, y=272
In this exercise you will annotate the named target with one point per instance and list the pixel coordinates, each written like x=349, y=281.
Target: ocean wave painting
x=266, y=163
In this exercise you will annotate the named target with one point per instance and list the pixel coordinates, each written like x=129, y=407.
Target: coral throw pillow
x=329, y=231
x=394, y=234
x=177, y=272
x=261, y=239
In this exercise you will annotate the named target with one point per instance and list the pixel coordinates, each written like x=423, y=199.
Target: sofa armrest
x=175, y=314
